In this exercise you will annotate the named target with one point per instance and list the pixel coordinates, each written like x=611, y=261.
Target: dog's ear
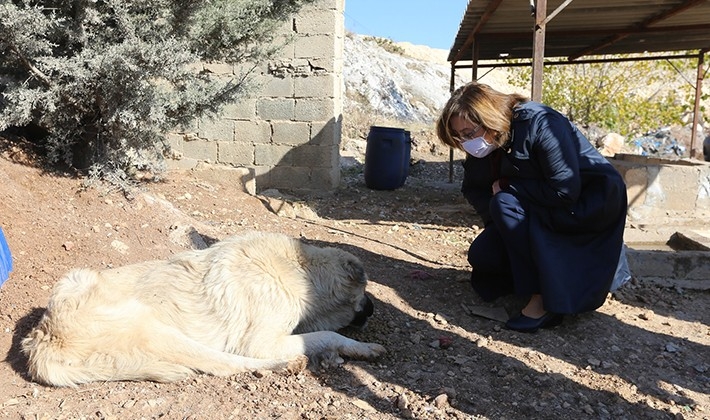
x=356, y=270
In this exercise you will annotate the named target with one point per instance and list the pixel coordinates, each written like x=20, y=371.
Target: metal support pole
x=696, y=109
x=538, y=49
x=452, y=86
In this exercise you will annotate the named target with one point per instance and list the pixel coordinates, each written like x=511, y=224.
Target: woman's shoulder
x=531, y=109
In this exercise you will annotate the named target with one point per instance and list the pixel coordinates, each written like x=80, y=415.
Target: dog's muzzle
x=361, y=316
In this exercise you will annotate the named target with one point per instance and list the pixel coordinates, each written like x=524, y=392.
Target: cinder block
x=262, y=176
x=636, y=185
x=252, y=132
x=311, y=156
x=291, y=133
x=316, y=21
x=325, y=178
x=201, y=150
x=181, y=164
x=276, y=87
x=704, y=190
x=680, y=184
x=315, y=86
x=289, y=177
x=329, y=4
x=220, y=129
x=314, y=46
x=272, y=155
x=314, y=110
x=242, y=110
x=326, y=134
x=240, y=154
x=241, y=178
x=275, y=109
x=324, y=65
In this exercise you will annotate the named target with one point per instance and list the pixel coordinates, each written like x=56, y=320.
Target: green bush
x=106, y=79
x=628, y=97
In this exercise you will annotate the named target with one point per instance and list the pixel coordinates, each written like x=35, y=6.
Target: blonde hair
x=478, y=104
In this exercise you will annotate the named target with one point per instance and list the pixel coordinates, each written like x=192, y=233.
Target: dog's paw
x=366, y=351
x=376, y=350
x=327, y=360
x=297, y=365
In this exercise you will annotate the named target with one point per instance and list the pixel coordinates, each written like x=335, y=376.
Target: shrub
x=106, y=79
x=386, y=44
x=629, y=97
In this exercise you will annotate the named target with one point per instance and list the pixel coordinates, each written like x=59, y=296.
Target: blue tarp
x=5, y=259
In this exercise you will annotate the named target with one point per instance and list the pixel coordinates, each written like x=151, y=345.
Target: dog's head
x=365, y=311
x=338, y=299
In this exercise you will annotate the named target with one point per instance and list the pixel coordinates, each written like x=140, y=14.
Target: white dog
x=258, y=301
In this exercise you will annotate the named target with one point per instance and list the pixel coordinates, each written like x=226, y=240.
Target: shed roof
x=582, y=28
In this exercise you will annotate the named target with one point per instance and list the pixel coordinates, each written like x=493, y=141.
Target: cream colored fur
x=258, y=301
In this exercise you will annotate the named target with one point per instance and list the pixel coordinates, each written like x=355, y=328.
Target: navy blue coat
x=575, y=199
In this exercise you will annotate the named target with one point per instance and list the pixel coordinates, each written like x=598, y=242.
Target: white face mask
x=478, y=147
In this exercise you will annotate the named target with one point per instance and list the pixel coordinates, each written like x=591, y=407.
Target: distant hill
x=398, y=85
x=400, y=81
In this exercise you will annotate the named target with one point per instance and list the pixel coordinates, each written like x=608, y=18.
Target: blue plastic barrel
x=384, y=158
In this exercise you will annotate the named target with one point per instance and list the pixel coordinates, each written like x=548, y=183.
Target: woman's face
x=465, y=130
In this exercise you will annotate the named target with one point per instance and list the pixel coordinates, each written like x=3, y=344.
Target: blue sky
x=423, y=22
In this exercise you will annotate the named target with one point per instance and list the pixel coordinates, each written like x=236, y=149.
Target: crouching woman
x=554, y=208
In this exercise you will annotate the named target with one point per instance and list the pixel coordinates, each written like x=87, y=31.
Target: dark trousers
x=501, y=257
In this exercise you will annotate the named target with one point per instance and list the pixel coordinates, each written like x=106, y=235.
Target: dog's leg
x=314, y=344
x=224, y=364
x=185, y=352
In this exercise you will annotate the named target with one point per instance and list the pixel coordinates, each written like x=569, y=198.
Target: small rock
x=364, y=405
x=68, y=245
x=402, y=402
x=445, y=342
x=119, y=246
x=671, y=348
x=441, y=401
x=261, y=373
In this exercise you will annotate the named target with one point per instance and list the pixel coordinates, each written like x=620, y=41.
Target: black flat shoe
x=526, y=324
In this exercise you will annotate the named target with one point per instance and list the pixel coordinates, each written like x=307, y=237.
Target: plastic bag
x=623, y=273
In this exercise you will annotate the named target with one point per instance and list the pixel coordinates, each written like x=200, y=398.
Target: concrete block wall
x=287, y=134
x=664, y=191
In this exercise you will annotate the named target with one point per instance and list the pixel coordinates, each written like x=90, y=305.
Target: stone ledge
x=687, y=269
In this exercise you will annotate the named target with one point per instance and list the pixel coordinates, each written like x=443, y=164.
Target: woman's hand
x=496, y=186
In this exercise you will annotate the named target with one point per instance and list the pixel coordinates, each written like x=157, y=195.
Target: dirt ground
x=644, y=355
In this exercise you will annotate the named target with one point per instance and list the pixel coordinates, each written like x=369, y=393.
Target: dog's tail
x=52, y=358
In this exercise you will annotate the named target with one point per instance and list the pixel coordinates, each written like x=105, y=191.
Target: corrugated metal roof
x=582, y=28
